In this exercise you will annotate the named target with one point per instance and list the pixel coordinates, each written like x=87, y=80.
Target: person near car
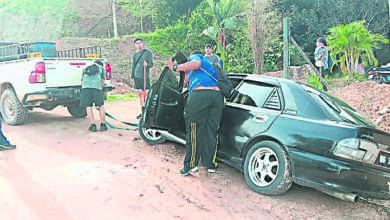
x=202, y=113
x=209, y=54
x=220, y=61
x=92, y=84
x=4, y=143
x=140, y=72
x=321, y=56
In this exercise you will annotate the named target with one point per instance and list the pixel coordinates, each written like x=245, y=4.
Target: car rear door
x=249, y=112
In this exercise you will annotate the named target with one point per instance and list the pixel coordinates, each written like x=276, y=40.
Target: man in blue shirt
x=202, y=113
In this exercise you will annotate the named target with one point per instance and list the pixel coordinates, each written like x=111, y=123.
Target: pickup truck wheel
x=12, y=110
x=76, y=110
x=267, y=168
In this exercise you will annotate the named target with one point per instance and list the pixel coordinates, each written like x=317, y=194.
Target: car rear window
x=252, y=94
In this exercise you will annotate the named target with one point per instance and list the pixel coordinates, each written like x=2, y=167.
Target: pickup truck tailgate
x=64, y=72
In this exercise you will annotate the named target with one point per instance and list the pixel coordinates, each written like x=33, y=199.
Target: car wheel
x=267, y=168
x=76, y=110
x=150, y=136
x=12, y=110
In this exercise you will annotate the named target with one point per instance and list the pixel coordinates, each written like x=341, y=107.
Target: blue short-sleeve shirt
x=199, y=77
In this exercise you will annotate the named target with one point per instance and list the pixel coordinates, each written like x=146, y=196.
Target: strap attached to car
x=123, y=122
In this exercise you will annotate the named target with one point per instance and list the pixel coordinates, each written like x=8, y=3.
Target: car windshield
x=336, y=109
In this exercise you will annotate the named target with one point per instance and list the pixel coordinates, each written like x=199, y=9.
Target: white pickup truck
x=35, y=75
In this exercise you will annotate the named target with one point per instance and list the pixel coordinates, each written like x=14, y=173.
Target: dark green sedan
x=277, y=132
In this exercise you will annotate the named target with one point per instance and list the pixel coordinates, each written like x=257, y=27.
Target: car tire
x=12, y=110
x=76, y=110
x=267, y=168
x=150, y=136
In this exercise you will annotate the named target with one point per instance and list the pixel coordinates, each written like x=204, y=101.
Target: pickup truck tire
x=76, y=110
x=12, y=110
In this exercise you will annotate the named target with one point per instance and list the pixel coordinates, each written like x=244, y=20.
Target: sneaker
x=103, y=127
x=186, y=172
x=139, y=116
x=7, y=146
x=92, y=128
x=212, y=170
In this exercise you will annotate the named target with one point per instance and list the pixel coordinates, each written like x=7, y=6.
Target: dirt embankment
x=370, y=99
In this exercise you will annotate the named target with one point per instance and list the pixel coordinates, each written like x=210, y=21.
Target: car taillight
x=38, y=74
x=108, y=71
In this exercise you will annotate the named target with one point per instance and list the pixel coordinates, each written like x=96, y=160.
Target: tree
x=312, y=19
x=350, y=43
x=228, y=15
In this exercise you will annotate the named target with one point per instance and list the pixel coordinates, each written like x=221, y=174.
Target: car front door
x=249, y=112
x=169, y=101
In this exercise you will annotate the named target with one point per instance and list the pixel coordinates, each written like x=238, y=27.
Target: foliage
x=315, y=81
x=125, y=97
x=158, y=14
x=28, y=20
x=166, y=41
x=239, y=54
x=312, y=19
x=228, y=15
x=351, y=43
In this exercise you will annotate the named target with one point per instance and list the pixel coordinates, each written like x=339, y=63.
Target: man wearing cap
x=209, y=54
x=140, y=72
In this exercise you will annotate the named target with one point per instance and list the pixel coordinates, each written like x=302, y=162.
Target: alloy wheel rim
x=263, y=167
x=151, y=134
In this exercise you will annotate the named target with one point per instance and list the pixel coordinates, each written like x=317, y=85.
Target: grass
x=125, y=97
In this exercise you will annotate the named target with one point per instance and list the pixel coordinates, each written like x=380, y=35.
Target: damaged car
x=279, y=132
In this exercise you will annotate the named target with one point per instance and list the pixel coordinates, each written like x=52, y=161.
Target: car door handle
x=261, y=118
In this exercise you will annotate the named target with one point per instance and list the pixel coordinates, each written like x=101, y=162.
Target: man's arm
x=133, y=67
x=148, y=58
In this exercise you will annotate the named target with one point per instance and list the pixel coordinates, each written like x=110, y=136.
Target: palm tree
x=228, y=15
x=350, y=43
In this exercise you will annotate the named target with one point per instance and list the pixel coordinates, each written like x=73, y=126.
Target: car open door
x=166, y=102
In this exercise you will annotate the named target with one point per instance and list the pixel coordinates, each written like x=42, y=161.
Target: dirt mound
x=370, y=99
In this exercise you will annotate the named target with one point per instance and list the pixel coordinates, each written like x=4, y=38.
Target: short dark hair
x=208, y=45
x=322, y=40
x=218, y=54
x=98, y=62
x=137, y=39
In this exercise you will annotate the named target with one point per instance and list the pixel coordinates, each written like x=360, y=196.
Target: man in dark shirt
x=202, y=113
x=140, y=72
x=209, y=54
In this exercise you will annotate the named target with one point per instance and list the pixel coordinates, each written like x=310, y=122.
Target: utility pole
x=114, y=19
x=286, y=47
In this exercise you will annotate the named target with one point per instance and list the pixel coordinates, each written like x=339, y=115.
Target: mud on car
x=279, y=132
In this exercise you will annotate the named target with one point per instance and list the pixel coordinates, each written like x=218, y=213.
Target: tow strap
x=123, y=122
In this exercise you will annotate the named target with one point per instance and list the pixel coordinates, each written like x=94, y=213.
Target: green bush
x=315, y=81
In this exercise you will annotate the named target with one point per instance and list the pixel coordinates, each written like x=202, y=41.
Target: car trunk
x=64, y=72
x=382, y=139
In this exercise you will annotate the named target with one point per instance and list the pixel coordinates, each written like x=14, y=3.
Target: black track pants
x=202, y=114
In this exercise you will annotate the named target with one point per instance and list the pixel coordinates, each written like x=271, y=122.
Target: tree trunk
x=256, y=31
x=114, y=19
x=141, y=17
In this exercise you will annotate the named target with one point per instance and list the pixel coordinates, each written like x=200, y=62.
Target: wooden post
x=114, y=20
x=324, y=83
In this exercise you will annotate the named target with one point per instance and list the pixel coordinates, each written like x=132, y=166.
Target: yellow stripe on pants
x=193, y=144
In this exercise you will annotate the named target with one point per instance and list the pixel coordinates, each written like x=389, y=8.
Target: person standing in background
x=220, y=61
x=140, y=72
x=321, y=54
x=209, y=54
